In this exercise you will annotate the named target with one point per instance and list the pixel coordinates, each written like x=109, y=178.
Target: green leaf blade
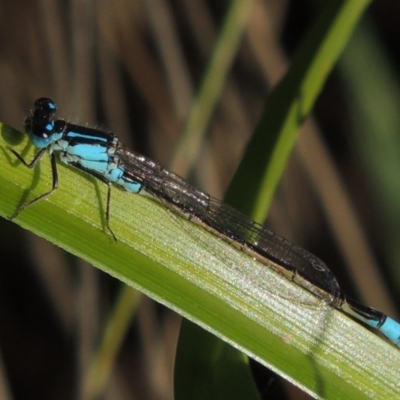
x=205, y=279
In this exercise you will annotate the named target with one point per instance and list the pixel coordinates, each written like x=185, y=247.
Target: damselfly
x=101, y=154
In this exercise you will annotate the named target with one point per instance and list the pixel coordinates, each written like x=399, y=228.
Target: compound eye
x=41, y=137
x=45, y=106
x=44, y=130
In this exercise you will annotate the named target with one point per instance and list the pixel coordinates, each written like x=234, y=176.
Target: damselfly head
x=39, y=124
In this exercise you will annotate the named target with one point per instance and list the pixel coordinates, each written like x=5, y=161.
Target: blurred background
x=134, y=67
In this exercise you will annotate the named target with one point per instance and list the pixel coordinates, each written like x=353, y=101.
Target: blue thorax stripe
x=87, y=135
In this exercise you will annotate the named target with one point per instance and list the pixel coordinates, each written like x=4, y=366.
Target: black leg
x=35, y=160
x=31, y=165
x=108, y=211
